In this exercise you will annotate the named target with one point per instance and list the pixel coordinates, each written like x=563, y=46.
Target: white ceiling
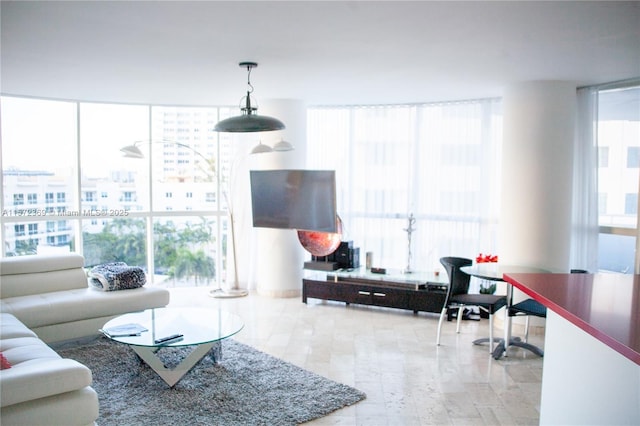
x=330, y=52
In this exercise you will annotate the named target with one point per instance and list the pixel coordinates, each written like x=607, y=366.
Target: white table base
x=173, y=375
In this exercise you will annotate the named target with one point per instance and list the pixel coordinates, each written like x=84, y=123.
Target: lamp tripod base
x=219, y=293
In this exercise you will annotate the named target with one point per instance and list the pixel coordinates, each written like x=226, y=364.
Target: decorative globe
x=321, y=243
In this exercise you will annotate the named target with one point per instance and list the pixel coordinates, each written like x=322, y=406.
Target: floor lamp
x=133, y=151
x=235, y=290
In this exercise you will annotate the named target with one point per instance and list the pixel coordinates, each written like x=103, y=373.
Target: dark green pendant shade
x=249, y=121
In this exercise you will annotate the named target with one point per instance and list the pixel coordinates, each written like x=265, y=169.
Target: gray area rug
x=247, y=387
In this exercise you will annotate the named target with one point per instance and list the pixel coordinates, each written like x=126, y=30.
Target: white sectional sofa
x=41, y=388
x=47, y=299
x=51, y=296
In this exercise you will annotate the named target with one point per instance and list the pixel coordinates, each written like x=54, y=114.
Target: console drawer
x=375, y=295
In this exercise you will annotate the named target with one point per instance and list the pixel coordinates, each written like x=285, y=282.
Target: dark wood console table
x=417, y=291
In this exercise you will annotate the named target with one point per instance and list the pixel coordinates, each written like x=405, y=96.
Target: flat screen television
x=294, y=199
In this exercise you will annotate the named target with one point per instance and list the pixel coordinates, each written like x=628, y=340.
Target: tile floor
x=391, y=355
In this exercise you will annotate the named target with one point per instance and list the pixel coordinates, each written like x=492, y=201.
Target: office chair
x=531, y=307
x=458, y=296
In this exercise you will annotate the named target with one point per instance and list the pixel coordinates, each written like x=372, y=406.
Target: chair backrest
x=458, y=280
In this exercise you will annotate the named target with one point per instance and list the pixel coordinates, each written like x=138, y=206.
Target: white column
x=537, y=165
x=278, y=255
x=537, y=174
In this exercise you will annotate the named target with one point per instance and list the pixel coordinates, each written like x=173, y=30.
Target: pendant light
x=249, y=121
x=283, y=146
x=261, y=148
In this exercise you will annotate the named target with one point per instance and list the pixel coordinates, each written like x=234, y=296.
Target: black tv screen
x=294, y=199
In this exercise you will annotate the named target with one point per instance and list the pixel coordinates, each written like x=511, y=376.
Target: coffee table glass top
x=196, y=325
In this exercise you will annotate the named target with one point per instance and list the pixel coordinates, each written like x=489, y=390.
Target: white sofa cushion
x=11, y=327
x=78, y=407
x=25, y=351
x=37, y=371
x=63, y=306
x=31, y=275
x=40, y=263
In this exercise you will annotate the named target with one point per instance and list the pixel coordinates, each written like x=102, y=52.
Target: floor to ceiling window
x=39, y=175
x=438, y=163
x=67, y=187
x=618, y=142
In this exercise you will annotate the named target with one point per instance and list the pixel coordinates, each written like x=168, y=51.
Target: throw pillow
x=4, y=363
x=116, y=276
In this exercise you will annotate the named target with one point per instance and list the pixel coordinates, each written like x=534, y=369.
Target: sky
x=41, y=135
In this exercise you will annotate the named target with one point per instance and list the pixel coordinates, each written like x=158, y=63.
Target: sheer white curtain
x=439, y=162
x=584, y=240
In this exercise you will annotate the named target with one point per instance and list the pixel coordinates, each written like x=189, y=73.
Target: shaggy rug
x=247, y=387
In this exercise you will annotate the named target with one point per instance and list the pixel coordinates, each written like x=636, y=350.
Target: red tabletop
x=607, y=306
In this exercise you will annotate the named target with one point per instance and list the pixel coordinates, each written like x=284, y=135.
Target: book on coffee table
x=131, y=329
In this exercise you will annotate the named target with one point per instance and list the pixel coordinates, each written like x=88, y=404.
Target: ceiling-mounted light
x=249, y=121
x=283, y=146
x=261, y=148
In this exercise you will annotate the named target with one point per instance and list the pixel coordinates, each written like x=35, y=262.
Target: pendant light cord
x=249, y=68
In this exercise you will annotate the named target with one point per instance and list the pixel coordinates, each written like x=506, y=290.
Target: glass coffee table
x=150, y=331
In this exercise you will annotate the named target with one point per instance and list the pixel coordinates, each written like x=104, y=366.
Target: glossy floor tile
x=392, y=356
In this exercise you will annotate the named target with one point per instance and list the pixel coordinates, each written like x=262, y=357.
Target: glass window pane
x=39, y=174
x=40, y=237
x=616, y=253
x=631, y=204
x=121, y=182
x=185, y=251
x=619, y=134
x=184, y=156
x=633, y=157
x=42, y=209
x=603, y=156
x=112, y=239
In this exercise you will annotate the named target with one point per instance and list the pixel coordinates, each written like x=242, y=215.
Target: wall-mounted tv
x=294, y=199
